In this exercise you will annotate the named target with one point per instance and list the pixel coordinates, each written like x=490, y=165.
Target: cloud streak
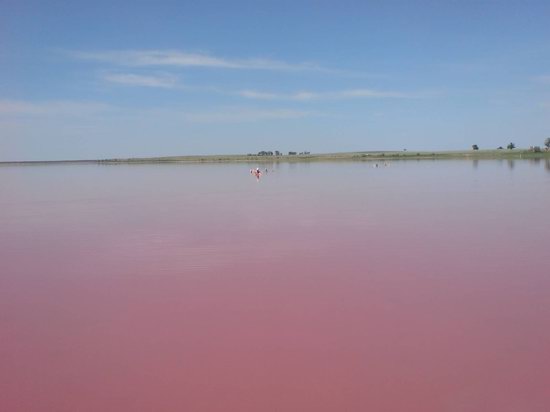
x=336, y=95
x=164, y=81
x=544, y=79
x=66, y=109
x=241, y=115
x=52, y=108
x=176, y=58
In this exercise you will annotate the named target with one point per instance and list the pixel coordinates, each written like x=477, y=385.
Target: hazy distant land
x=344, y=156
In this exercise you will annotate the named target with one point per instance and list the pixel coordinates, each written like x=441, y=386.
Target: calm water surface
x=423, y=286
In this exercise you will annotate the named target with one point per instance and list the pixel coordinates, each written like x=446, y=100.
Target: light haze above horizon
x=104, y=79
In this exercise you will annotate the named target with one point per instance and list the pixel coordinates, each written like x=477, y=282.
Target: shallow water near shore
x=412, y=286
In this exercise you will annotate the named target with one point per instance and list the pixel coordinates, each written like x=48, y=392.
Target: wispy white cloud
x=18, y=109
x=165, y=81
x=240, y=115
x=176, y=58
x=254, y=94
x=375, y=94
x=52, y=108
x=544, y=79
x=467, y=67
x=342, y=94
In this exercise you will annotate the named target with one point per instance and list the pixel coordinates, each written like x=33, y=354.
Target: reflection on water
x=322, y=287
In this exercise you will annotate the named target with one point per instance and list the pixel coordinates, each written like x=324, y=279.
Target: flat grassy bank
x=344, y=156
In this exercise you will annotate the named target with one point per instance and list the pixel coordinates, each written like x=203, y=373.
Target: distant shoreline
x=345, y=156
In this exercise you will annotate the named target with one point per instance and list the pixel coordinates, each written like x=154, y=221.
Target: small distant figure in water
x=376, y=165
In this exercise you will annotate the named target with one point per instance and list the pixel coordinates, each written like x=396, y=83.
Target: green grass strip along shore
x=344, y=156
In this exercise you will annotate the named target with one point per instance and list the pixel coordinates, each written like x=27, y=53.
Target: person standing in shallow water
x=256, y=172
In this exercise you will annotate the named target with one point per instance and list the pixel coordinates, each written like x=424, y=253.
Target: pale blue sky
x=83, y=79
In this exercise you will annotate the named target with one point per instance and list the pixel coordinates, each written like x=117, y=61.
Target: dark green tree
x=511, y=146
x=475, y=147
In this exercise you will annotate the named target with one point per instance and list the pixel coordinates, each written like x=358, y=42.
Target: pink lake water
x=422, y=286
